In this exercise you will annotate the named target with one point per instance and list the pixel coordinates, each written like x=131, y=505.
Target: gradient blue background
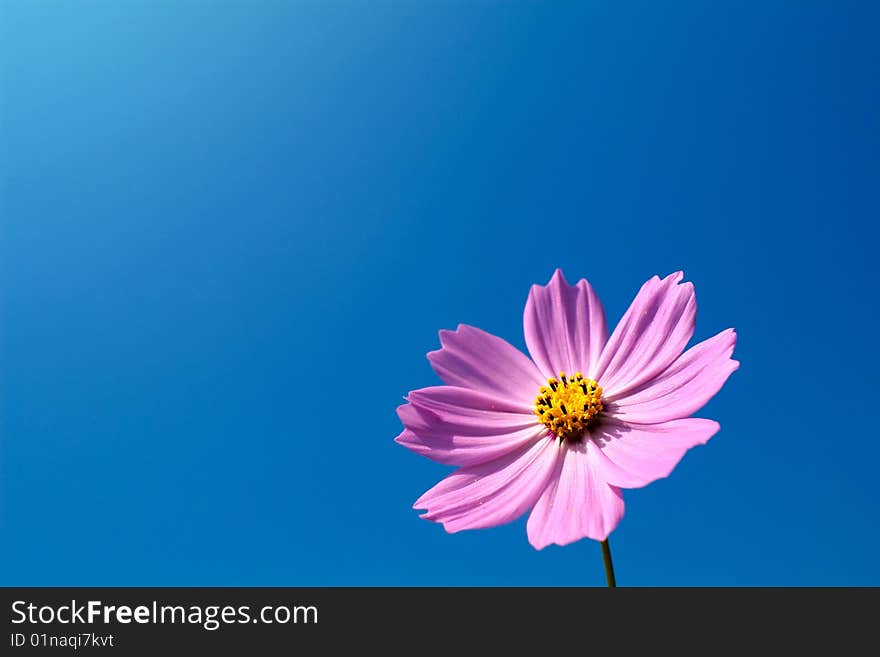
x=231, y=231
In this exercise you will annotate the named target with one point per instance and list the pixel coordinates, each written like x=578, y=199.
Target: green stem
x=609, y=567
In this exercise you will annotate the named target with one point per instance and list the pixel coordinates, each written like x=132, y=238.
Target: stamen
x=582, y=395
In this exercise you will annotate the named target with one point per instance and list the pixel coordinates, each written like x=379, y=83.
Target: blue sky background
x=230, y=232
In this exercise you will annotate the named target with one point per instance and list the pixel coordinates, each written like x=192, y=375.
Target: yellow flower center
x=568, y=406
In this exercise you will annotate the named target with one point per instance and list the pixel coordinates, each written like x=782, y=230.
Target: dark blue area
x=229, y=234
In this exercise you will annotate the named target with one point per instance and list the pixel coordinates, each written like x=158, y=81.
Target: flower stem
x=609, y=567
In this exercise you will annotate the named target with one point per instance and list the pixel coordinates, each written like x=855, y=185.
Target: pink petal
x=652, y=333
x=577, y=503
x=632, y=455
x=458, y=426
x=684, y=388
x=478, y=404
x=564, y=327
x=472, y=358
x=492, y=493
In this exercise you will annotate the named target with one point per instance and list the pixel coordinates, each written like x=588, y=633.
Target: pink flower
x=562, y=433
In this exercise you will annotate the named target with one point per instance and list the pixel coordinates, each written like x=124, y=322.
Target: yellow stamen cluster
x=567, y=406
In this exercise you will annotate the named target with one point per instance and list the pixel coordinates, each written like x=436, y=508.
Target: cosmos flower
x=561, y=433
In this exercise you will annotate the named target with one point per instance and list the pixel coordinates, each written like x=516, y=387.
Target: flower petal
x=491, y=493
x=652, y=333
x=564, y=327
x=472, y=358
x=478, y=404
x=458, y=426
x=577, y=503
x=632, y=455
x=684, y=388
